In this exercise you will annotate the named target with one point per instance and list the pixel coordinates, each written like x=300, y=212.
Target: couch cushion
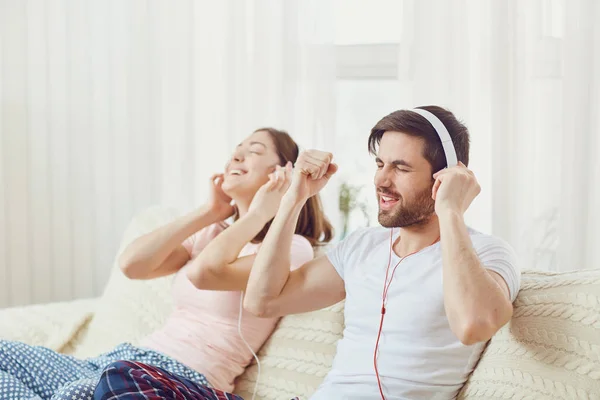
x=50, y=325
x=128, y=309
x=551, y=347
x=296, y=357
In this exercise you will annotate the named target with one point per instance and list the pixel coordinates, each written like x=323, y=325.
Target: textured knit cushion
x=551, y=348
x=50, y=325
x=297, y=357
x=129, y=309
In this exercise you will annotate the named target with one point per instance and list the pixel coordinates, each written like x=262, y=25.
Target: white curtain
x=524, y=75
x=107, y=107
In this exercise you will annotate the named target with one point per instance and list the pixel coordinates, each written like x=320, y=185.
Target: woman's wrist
x=257, y=217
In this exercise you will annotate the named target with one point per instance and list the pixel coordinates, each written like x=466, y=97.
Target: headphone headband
x=440, y=129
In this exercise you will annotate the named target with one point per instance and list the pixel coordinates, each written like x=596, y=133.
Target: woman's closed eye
x=257, y=149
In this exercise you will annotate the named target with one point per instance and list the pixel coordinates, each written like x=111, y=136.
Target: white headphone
x=440, y=129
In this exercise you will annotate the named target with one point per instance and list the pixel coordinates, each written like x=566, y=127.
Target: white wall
x=107, y=107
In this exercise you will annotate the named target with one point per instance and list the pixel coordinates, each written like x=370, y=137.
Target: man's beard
x=403, y=215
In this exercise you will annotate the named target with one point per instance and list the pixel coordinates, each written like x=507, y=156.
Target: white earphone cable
x=246, y=343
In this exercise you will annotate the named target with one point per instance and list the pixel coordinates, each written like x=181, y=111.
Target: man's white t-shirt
x=419, y=356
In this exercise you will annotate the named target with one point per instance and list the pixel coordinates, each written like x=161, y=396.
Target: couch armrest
x=50, y=325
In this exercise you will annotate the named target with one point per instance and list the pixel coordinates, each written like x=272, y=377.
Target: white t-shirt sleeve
x=498, y=256
x=341, y=252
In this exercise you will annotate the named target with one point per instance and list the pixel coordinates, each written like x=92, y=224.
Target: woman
x=200, y=339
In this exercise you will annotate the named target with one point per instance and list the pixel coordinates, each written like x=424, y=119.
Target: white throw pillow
x=128, y=310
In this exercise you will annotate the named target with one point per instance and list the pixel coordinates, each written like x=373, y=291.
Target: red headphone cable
x=386, y=287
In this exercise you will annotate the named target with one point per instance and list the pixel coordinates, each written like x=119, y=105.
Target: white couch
x=550, y=349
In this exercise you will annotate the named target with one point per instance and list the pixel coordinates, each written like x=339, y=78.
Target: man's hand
x=454, y=189
x=311, y=173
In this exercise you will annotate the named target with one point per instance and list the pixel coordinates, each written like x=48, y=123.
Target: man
x=423, y=292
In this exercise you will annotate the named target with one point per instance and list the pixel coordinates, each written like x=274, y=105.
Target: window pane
x=373, y=21
x=360, y=104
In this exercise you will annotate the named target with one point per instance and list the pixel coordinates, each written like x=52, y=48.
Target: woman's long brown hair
x=312, y=223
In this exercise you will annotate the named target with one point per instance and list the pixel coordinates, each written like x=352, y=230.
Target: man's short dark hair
x=414, y=124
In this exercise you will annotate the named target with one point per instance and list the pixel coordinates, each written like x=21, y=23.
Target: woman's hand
x=266, y=200
x=218, y=202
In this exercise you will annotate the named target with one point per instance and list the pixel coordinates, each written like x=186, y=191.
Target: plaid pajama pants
x=38, y=373
x=138, y=381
